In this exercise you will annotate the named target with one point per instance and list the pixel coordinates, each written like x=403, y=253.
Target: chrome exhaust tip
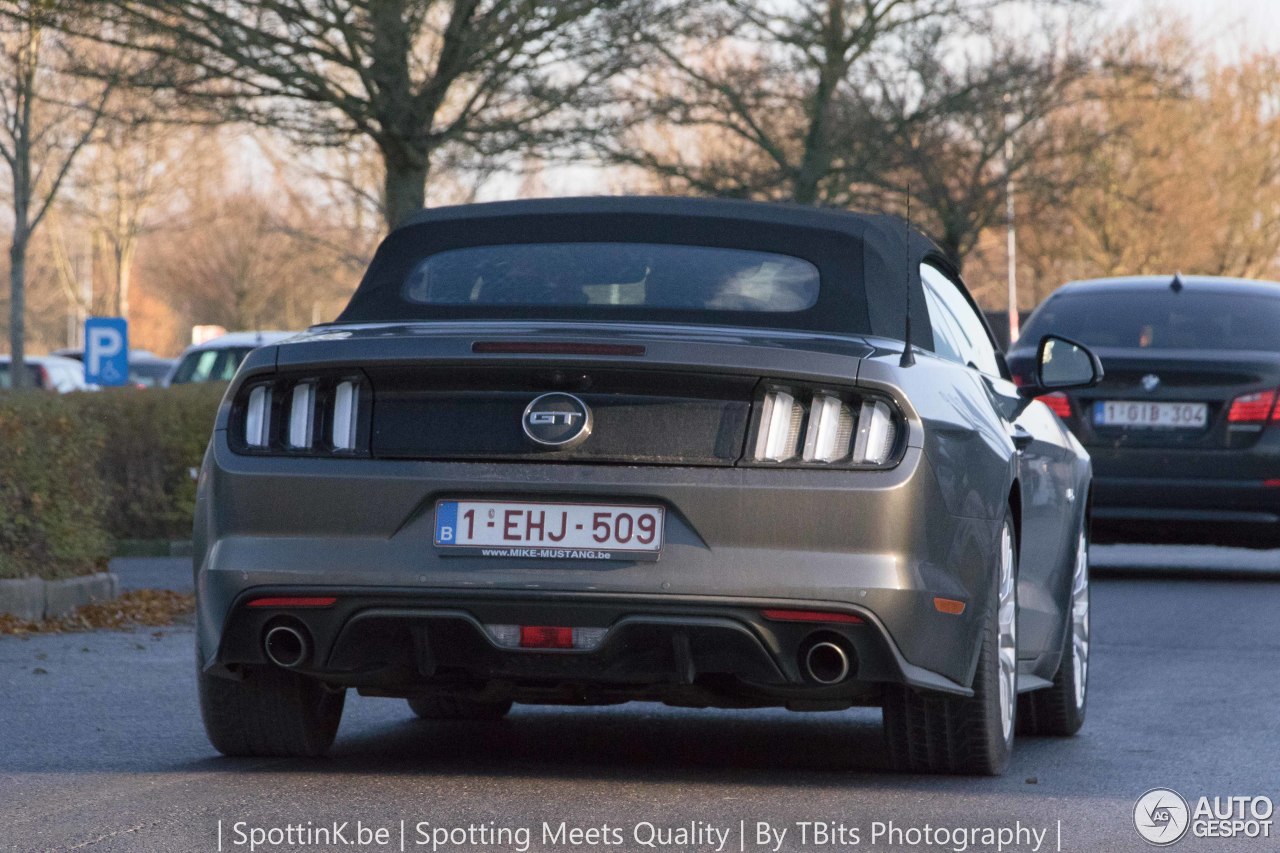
x=826, y=663
x=286, y=646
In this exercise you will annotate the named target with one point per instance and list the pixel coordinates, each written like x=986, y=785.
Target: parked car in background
x=146, y=369
x=1184, y=430
x=217, y=360
x=47, y=372
x=588, y=451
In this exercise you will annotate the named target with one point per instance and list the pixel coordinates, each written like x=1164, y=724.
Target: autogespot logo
x=1161, y=817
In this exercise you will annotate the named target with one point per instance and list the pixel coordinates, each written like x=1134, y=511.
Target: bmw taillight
x=1254, y=408
x=825, y=428
x=307, y=415
x=1058, y=402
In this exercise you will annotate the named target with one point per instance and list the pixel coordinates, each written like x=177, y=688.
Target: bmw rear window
x=1162, y=320
x=601, y=275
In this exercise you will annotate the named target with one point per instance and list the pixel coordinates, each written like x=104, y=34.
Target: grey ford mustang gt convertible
x=586, y=451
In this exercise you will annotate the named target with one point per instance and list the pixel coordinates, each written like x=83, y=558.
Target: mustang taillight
x=312, y=415
x=343, y=432
x=779, y=428
x=828, y=429
x=828, y=438
x=257, y=417
x=302, y=414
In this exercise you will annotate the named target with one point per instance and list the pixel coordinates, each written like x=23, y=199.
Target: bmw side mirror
x=1062, y=364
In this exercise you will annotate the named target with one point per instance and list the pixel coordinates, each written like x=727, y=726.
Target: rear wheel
x=269, y=712
x=955, y=734
x=1059, y=710
x=452, y=708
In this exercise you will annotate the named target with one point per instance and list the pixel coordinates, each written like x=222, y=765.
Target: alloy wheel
x=1008, y=618
x=1080, y=620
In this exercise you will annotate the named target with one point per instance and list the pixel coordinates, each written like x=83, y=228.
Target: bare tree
x=846, y=102
x=421, y=79
x=125, y=176
x=770, y=81
x=41, y=133
x=961, y=133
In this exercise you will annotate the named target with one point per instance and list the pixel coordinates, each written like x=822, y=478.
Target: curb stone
x=34, y=599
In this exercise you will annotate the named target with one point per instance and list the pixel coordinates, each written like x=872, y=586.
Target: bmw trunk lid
x=1185, y=379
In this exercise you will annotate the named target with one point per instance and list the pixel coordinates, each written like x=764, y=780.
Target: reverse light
x=1058, y=402
x=257, y=418
x=1253, y=408
x=780, y=423
x=546, y=637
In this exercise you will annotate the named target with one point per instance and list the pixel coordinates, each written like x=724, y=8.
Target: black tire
x=1059, y=711
x=453, y=708
x=270, y=712
x=931, y=733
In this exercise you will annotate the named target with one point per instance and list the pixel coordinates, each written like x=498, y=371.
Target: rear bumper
x=879, y=544
x=1162, y=485
x=683, y=650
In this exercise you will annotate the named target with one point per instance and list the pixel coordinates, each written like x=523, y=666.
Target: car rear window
x=1162, y=320
x=6, y=378
x=601, y=275
x=210, y=365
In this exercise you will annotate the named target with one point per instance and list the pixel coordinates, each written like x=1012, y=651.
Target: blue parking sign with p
x=106, y=351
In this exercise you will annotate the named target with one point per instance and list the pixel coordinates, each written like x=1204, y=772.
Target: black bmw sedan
x=1184, y=431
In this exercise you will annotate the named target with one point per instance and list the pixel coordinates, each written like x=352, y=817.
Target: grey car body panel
x=884, y=542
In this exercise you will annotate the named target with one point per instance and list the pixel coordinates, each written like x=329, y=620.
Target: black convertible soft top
x=862, y=259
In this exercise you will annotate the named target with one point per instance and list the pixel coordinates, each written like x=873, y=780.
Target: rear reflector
x=545, y=637
x=1058, y=402
x=1271, y=484
x=312, y=601
x=554, y=348
x=949, y=606
x=810, y=616
x=1252, y=408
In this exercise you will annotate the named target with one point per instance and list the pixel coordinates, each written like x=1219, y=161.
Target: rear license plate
x=554, y=531
x=1131, y=413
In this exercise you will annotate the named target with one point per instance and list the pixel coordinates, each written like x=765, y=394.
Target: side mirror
x=1061, y=364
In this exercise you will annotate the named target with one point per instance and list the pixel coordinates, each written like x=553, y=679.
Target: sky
x=1225, y=25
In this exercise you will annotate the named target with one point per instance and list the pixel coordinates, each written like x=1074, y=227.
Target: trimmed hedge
x=81, y=470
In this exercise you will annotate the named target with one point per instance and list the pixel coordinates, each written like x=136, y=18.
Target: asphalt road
x=101, y=748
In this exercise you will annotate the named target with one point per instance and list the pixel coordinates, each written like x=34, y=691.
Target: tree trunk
x=124, y=273
x=404, y=190
x=18, y=309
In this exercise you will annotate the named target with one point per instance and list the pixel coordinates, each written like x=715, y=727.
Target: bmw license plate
x=1130, y=413
x=554, y=531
